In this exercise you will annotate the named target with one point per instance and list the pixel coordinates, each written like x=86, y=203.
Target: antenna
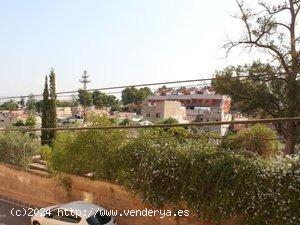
x=84, y=81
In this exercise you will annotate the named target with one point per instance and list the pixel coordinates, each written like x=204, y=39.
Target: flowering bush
x=165, y=167
x=214, y=184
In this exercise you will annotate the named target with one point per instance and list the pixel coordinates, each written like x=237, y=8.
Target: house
x=214, y=115
x=160, y=110
x=201, y=104
x=63, y=112
x=8, y=118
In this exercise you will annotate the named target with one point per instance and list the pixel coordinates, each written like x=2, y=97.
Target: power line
x=135, y=85
x=274, y=120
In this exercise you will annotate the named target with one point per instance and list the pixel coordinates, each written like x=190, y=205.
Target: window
x=148, y=115
x=53, y=215
x=69, y=218
x=64, y=216
x=157, y=115
x=98, y=219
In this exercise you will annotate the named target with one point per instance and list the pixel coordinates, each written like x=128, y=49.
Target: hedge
x=162, y=168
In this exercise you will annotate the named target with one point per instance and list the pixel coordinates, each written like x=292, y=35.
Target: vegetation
x=278, y=94
x=52, y=106
x=169, y=121
x=85, y=98
x=256, y=140
x=92, y=151
x=171, y=166
x=31, y=103
x=135, y=96
x=17, y=148
x=101, y=100
x=49, y=117
x=10, y=105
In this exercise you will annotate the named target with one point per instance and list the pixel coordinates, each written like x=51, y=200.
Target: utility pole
x=84, y=81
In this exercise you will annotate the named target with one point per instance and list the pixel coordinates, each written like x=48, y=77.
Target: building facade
x=160, y=110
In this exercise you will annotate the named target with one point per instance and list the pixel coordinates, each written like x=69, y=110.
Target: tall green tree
x=45, y=114
x=52, y=104
x=272, y=30
x=49, y=117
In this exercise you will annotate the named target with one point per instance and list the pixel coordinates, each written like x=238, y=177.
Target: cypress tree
x=45, y=114
x=52, y=104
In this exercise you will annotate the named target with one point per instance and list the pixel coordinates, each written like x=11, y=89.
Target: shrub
x=92, y=151
x=163, y=166
x=17, y=148
x=215, y=185
x=258, y=140
x=169, y=120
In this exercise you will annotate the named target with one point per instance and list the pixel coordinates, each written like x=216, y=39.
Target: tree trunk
x=290, y=138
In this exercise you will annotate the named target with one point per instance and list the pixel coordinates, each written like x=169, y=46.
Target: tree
x=17, y=148
x=278, y=94
x=22, y=102
x=31, y=103
x=52, y=104
x=132, y=95
x=39, y=106
x=45, y=114
x=85, y=98
x=101, y=100
x=10, y=105
x=61, y=103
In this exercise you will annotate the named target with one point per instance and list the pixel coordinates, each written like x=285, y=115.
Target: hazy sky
x=117, y=41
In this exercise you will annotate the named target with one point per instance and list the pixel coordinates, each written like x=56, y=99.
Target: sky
x=119, y=42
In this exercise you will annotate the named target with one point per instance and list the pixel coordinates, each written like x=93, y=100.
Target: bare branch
x=273, y=11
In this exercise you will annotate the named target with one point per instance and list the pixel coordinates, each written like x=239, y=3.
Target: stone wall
x=45, y=190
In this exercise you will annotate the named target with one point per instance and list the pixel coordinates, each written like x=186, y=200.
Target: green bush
x=17, y=148
x=215, y=185
x=92, y=151
x=256, y=140
x=165, y=166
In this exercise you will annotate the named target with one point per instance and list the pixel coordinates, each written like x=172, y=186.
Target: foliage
x=10, y=105
x=31, y=103
x=19, y=123
x=95, y=119
x=49, y=117
x=30, y=121
x=39, y=106
x=258, y=139
x=92, y=151
x=17, y=148
x=125, y=122
x=277, y=92
x=45, y=137
x=85, y=98
x=169, y=120
x=215, y=185
x=63, y=103
x=52, y=105
x=132, y=95
x=101, y=100
x=167, y=167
